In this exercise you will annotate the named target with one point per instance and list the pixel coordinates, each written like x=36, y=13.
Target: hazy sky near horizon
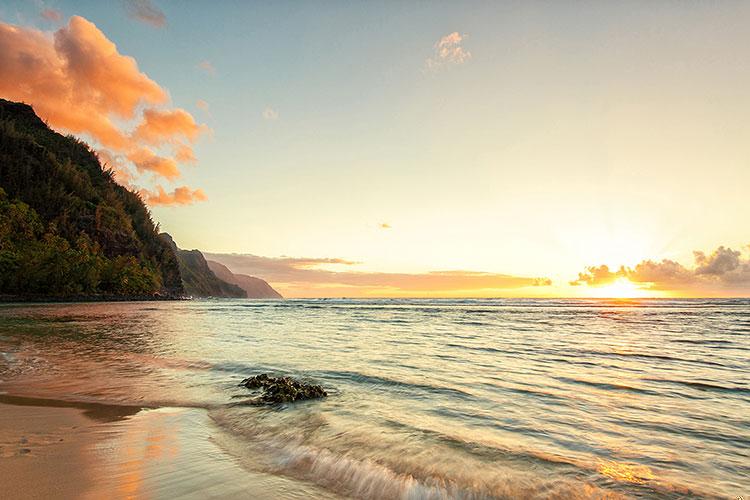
x=530, y=139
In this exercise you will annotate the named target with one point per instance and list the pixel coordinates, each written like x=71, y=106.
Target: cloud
x=159, y=127
x=448, y=51
x=100, y=72
x=541, y=282
x=206, y=66
x=202, y=105
x=145, y=160
x=384, y=225
x=723, y=272
x=311, y=277
x=146, y=12
x=52, y=15
x=596, y=276
x=270, y=114
x=184, y=154
x=182, y=195
x=722, y=262
x=77, y=81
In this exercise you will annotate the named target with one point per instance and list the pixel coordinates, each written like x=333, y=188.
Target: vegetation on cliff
x=66, y=227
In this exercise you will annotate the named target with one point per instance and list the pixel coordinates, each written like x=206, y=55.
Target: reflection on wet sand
x=95, y=411
x=170, y=453
x=56, y=449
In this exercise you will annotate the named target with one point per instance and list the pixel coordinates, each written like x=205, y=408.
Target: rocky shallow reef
x=277, y=390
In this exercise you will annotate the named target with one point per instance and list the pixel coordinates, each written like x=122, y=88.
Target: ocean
x=503, y=398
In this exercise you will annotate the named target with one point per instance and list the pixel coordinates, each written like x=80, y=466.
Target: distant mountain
x=256, y=288
x=198, y=279
x=67, y=229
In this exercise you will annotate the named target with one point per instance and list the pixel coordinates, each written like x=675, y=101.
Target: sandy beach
x=43, y=451
x=53, y=449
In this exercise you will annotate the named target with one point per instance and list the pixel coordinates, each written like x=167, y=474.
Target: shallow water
x=428, y=398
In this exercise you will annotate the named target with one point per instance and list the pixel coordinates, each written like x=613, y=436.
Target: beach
x=43, y=452
x=53, y=449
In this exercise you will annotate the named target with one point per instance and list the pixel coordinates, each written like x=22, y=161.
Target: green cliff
x=67, y=229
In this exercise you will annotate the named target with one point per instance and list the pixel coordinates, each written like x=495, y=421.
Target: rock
x=282, y=389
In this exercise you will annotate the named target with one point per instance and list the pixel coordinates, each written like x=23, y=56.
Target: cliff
x=256, y=288
x=198, y=279
x=67, y=229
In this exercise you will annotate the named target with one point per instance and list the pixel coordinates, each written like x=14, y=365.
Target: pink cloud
x=52, y=15
x=206, y=66
x=308, y=277
x=448, y=51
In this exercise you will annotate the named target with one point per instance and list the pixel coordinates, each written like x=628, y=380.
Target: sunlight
x=622, y=288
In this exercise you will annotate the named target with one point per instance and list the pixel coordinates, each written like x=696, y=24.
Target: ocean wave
x=704, y=386
x=608, y=386
x=390, y=384
x=419, y=463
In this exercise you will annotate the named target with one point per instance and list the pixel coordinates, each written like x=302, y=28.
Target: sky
x=416, y=148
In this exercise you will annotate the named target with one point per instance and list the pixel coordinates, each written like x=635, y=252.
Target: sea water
x=427, y=398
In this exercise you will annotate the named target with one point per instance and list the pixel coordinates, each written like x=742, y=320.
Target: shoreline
x=61, y=449
x=41, y=299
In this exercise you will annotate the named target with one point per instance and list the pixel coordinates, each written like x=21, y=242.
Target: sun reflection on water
x=631, y=473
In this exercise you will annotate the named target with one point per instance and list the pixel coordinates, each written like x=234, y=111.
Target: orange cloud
x=184, y=154
x=100, y=73
x=158, y=126
x=202, y=105
x=76, y=80
x=182, y=195
x=146, y=12
x=305, y=277
x=146, y=160
x=32, y=70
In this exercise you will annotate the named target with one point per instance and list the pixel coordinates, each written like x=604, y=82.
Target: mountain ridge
x=198, y=279
x=256, y=288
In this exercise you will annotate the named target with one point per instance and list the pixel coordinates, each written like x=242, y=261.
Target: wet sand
x=51, y=449
x=41, y=452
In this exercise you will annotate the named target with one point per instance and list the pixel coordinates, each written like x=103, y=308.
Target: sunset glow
x=622, y=288
x=374, y=250
x=452, y=158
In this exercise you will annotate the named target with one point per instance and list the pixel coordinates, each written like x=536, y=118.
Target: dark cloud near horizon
x=722, y=270
x=146, y=12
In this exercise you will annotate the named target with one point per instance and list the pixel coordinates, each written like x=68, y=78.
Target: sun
x=622, y=288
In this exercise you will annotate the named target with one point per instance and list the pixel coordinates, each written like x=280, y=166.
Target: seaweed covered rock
x=282, y=389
